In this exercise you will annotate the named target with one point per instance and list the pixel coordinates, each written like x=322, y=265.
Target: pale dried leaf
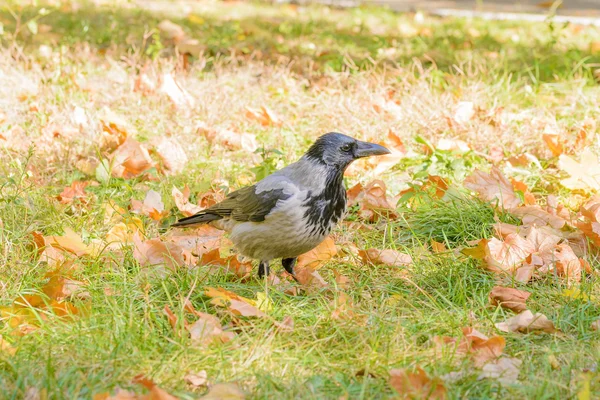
x=493, y=187
x=510, y=298
x=527, y=322
x=389, y=257
x=505, y=370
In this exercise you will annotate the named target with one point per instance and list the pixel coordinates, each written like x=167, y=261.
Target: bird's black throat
x=328, y=207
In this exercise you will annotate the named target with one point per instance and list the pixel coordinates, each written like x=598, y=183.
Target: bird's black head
x=338, y=150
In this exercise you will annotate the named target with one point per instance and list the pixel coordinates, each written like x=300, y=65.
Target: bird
x=291, y=211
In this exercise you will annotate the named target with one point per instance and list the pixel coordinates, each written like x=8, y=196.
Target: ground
x=83, y=301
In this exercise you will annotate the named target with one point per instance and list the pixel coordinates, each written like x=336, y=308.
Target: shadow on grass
x=538, y=56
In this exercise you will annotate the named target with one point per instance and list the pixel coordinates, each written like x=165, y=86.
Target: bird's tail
x=200, y=218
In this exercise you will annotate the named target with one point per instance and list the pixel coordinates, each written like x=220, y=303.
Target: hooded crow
x=292, y=210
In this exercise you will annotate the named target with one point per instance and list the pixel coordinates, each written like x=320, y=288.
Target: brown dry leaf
x=480, y=346
x=438, y=247
x=224, y=391
x=74, y=192
x=156, y=393
x=152, y=206
x=155, y=252
x=417, y=385
x=389, y=257
x=505, y=370
x=535, y=215
x=509, y=254
x=568, y=264
x=6, y=347
x=595, y=326
x=130, y=160
x=122, y=233
x=584, y=175
x=510, y=298
x=493, y=187
x=114, y=130
x=317, y=257
x=554, y=143
x=171, y=154
x=176, y=93
x=208, y=329
x=236, y=141
x=343, y=308
x=232, y=263
x=199, y=241
x=182, y=202
x=198, y=379
x=375, y=202
x=526, y=322
x=265, y=116
x=342, y=281
x=72, y=243
x=237, y=304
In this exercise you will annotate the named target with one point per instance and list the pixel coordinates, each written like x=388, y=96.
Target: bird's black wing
x=242, y=205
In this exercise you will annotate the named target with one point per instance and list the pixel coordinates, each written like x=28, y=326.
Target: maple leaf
x=308, y=263
x=156, y=393
x=526, y=322
x=237, y=304
x=171, y=154
x=74, y=192
x=235, y=141
x=505, y=370
x=568, y=264
x=343, y=309
x=417, y=385
x=389, y=257
x=156, y=252
x=152, y=206
x=71, y=242
x=510, y=298
x=208, y=329
x=121, y=234
x=508, y=254
x=265, y=116
x=480, y=346
x=130, y=160
x=242, y=269
x=183, y=204
x=373, y=201
x=114, y=130
x=176, y=93
x=535, y=215
x=493, y=187
x=584, y=175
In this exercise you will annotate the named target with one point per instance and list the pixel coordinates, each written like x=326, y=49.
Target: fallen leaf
x=114, y=130
x=568, y=264
x=72, y=243
x=535, y=215
x=171, y=30
x=242, y=269
x=343, y=308
x=417, y=385
x=224, y=391
x=183, y=204
x=374, y=202
x=510, y=298
x=6, y=347
x=438, y=247
x=208, y=329
x=527, y=322
x=155, y=252
x=176, y=93
x=74, y=192
x=389, y=257
x=152, y=206
x=553, y=142
x=584, y=175
x=265, y=116
x=198, y=379
x=235, y=141
x=505, y=370
x=172, y=155
x=595, y=326
x=156, y=393
x=480, y=346
x=464, y=112
x=317, y=257
x=130, y=160
x=508, y=254
x=493, y=187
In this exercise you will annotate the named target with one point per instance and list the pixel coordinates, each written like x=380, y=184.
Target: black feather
x=328, y=206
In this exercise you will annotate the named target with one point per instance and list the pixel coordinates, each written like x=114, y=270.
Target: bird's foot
x=263, y=269
x=288, y=264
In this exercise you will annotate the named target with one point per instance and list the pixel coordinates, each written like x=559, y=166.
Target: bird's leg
x=288, y=265
x=263, y=269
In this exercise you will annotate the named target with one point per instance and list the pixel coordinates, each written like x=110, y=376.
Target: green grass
x=319, y=69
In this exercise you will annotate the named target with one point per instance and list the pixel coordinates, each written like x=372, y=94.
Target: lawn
x=118, y=118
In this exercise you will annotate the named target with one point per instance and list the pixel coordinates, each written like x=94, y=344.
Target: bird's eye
x=346, y=147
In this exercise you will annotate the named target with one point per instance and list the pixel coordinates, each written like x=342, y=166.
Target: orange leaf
x=155, y=252
x=183, y=204
x=417, y=385
x=130, y=160
x=74, y=192
x=553, y=143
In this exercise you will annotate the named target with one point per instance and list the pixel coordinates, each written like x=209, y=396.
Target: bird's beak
x=366, y=149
